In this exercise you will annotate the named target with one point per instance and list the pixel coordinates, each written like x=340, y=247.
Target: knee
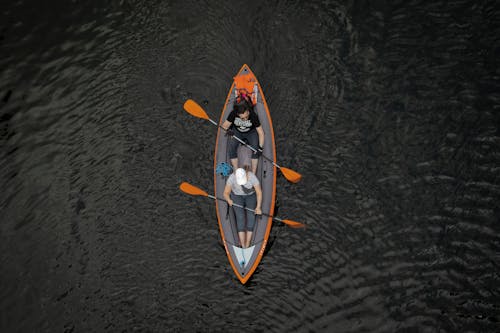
x=233, y=151
x=240, y=225
x=250, y=224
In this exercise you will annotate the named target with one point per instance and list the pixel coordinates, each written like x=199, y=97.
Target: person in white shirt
x=243, y=188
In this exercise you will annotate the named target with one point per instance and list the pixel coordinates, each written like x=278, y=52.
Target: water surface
x=390, y=111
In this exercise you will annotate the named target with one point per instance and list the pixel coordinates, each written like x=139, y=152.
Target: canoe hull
x=245, y=261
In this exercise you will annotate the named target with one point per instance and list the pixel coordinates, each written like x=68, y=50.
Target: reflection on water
x=389, y=111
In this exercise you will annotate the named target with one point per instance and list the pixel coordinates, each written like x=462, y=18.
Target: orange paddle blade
x=193, y=190
x=293, y=224
x=195, y=109
x=291, y=175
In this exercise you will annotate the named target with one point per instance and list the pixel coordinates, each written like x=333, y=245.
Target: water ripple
x=388, y=111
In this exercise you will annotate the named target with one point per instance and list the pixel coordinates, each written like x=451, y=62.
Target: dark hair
x=242, y=107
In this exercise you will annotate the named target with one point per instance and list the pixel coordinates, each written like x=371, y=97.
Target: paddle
x=196, y=110
x=193, y=190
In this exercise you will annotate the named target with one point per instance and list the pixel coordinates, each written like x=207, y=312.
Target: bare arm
x=226, y=124
x=227, y=192
x=258, y=192
x=260, y=132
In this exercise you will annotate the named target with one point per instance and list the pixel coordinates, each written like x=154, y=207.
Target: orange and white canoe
x=245, y=261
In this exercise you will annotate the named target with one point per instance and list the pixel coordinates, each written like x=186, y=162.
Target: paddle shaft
x=249, y=209
x=196, y=110
x=246, y=144
x=193, y=190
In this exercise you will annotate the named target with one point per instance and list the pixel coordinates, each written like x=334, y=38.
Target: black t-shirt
x=241, y=125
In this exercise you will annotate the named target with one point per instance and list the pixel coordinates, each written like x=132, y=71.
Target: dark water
x=390, y=110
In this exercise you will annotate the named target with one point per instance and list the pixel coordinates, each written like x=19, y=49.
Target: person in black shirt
x=246, y=125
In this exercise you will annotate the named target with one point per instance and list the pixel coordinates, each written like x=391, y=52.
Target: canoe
x=245, y=261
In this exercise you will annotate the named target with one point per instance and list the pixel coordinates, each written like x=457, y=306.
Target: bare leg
x=249, y=238
x=241, y=235
x=255, y=162
x=234, y=163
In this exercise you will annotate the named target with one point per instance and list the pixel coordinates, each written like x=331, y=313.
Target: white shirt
x=246, y=189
